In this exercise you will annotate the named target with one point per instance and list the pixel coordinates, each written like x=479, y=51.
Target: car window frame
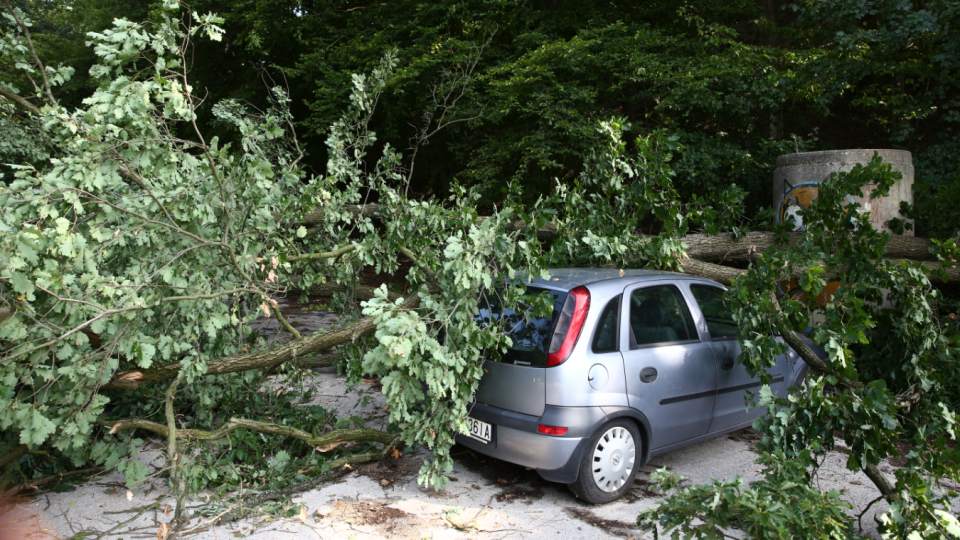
x=703, y=316
x=625, y=317
x=596, y=329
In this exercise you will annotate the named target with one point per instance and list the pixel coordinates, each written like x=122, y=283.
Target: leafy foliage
x=738, y=82
x=782, y=505
x=147, y=228
x=114, y=253
x=887, y=351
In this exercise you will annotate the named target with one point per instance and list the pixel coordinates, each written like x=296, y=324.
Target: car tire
x=609, y=463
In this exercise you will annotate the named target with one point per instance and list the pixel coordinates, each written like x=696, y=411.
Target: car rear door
x=515, y=379
x=671, y=375
x=733, y=381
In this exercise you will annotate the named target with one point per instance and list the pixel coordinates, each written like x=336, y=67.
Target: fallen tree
x=142, y=254
x=885, y=382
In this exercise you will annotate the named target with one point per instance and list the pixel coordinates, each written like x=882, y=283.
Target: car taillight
x=572, y=315
x=551, y=430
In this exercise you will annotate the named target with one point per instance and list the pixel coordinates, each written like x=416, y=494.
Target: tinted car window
x=719, y=317
x=531, y=335
x=605, y=339
x=659, y=315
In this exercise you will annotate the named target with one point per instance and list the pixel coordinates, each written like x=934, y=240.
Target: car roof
x=568, y=278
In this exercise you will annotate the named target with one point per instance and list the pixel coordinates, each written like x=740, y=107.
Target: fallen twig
x=153, y=505
x=468, y=526
x=59, y=476
x=338, y=468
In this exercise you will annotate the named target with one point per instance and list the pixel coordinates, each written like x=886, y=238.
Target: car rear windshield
x=531, y=335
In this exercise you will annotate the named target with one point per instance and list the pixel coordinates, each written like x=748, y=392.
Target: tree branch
x=726, y=274
x=318, y=341
x=716, y=272
x=725, y=247
x=173, y=459
x=806, y=353
x=33, y=51
x=818, y=365
x=19, y=101
x=708, y=248
x=333, y=438
x=13, y=456
x=886, y=488
x=431, y=277
x=283, y=321
x=326, y=255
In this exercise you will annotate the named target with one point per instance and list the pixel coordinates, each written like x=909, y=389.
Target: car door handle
x=727, y=363
x=648, y=375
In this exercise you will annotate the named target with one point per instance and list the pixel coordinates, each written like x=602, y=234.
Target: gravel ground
x=488, y=498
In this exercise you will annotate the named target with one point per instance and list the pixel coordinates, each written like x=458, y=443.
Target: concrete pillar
x=797, y=177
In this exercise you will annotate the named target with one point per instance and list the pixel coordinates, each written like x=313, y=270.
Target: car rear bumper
x=516, y=440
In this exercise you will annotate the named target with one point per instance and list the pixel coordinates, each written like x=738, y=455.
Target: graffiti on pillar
x=799, y=197
x=796, y=199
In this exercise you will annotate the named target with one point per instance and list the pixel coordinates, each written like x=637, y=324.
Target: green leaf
x=63, y=225
x=38, y=430
x=21, y=283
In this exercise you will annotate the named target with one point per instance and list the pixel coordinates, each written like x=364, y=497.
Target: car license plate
x=480, y=431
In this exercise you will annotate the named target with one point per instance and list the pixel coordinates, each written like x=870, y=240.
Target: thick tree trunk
x=716, y=272
x=711, y=248
x=726, y=274
x=724, y=248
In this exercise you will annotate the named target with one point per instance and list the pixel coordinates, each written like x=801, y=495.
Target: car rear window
x=531, y=335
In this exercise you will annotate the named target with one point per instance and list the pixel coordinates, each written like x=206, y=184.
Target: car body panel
x=527, y=449
x=678, y=406
x=569, y=384
x=515, y=388
x=516, y=439
x=733, y=385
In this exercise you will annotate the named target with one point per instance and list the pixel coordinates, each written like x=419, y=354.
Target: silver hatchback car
x=629, y=365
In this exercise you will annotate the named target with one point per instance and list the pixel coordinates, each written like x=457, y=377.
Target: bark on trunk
x=724, y=248
x=710, y=248
x=702, y=249
x=19, y=101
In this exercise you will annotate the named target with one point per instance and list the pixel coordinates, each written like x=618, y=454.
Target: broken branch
x=329, y=438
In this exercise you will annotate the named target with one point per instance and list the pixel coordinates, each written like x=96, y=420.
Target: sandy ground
x=492, y=499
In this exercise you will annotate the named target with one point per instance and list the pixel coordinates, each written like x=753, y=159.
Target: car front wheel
x=609, y=463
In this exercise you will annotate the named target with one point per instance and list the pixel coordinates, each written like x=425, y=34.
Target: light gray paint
x=514, y=388
x=683, y=371
x=730, y=408
x=526, y=449
x=568, y=384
